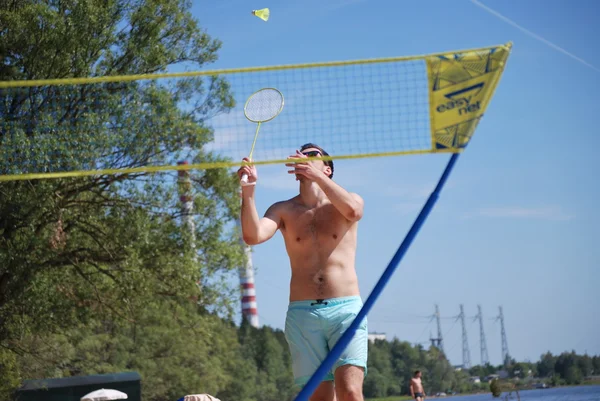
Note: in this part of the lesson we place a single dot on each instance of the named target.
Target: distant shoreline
(408, 397)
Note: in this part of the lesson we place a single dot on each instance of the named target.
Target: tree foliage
(495, 388)
(568, 367)
(88, 263)
(392, 364)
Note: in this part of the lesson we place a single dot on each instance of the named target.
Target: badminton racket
(262, 106)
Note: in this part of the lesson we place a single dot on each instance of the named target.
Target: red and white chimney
(184, 186)
(246, 273)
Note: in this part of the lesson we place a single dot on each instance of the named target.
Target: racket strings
(264, 105)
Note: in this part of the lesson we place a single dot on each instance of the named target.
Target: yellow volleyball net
(148, 123)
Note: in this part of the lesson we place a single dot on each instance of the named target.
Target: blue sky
(517, 224)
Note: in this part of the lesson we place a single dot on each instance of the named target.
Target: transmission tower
(439, 340)
(484, 353)
(505, 354)
(465, 342)
(434, 341)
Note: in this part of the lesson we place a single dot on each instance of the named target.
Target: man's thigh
(339, 320)
(307, 344)
(349, 381)
(325, 392)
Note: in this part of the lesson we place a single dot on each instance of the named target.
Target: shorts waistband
(323, 303)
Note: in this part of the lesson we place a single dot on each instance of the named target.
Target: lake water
(582, 393)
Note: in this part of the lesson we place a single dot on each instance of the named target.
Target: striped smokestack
(246, 273)
(184, 185)
(185, 196)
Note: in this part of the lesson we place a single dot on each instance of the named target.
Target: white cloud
(554, 213)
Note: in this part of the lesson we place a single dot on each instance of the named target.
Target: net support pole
(343, 342)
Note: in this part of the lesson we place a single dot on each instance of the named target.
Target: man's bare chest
(321, 223)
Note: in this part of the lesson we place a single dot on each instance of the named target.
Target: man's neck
(311, 194)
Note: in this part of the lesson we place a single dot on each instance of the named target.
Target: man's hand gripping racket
(262, 106)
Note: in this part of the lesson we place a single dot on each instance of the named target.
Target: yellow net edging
(354, 109)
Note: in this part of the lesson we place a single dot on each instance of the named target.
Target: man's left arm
(350, 205)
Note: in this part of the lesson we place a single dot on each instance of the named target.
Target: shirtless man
(416, 387)
(319, 228)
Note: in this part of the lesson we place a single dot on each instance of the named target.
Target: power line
(451, 327)
(536, 36)
(425, 329)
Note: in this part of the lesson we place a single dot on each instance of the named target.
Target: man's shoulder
(283, 204)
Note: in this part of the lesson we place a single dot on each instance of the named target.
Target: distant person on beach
(416, 387)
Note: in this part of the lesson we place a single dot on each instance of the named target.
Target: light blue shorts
(312, 329)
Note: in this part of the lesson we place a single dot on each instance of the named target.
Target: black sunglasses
(312, 153)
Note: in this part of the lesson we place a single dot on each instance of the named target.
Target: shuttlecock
(262, 14)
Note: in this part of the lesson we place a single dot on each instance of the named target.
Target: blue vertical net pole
(343, 342)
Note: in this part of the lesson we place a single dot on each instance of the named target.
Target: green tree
(383, 382)
(596, 365)
(267, 352)
(73, 250)
(172, 346)
(275, 378)
(375, 384)
(442, 375)
(546, 364)
(482, 371)
(573, 375)
(395, 362)
(8, 372)
(243, 385)
(585, 365)
(405, 360)
(495, 388)
(556, 380)
(523, 370)
(478, 371)
(566, 367)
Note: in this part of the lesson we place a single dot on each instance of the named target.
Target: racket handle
(245, 182)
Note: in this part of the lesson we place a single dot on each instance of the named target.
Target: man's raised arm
(254, 229)
(349, 204)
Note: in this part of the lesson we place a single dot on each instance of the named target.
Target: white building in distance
(376, 336)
